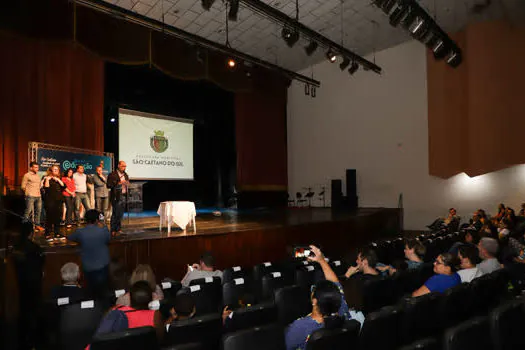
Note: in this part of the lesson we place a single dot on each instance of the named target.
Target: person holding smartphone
(205, 268)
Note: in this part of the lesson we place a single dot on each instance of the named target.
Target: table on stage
(180, 213)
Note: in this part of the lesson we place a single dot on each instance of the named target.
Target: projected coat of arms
(158, 142)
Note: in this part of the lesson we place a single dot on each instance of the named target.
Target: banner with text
(69, 160)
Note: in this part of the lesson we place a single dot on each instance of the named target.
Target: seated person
(133, 316)
(245, 301)
(205, 268)
(504, 228)
(470, 238)
(142, 273)
(522, 210)
(179, 309)
(445, 277)
(70, 287)
(414, 253)
(488, 249)
(475, 223)
(328, 306)
(445, 221)
(488, 229)
(468, 257)
(358, 275)
(501, 212)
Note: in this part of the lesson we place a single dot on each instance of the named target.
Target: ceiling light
(331, 56)
(206, 4)
(454, 58)
(353, 68)
(418, 28)
(345, 63)
(231, 63)
(234, 9)
(310, 49)
(112, 120)
(399, 13)
(290, 36)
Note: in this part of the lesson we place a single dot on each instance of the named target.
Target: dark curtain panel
(50, 92)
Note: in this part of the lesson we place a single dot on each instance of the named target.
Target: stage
(242, 238)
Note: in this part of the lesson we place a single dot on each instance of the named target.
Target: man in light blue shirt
(94, 251)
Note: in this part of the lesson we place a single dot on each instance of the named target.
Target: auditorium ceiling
(365, 27)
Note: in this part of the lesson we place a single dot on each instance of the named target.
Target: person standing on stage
(53, 201)
(118, 182)
(31, 186)
(69, 196)
(81, 195)
(101, 192)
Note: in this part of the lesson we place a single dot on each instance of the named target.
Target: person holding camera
(94, 251)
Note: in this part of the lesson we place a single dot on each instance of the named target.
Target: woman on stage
(53, 201)
(69, 196)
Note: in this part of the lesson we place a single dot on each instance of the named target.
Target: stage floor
(145, 225)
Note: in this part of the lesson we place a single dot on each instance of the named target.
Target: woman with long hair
(142, 272)
(69, 196)
(54, 200)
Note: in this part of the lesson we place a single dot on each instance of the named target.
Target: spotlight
(345, 63)
(399, 13)
(418, 28)
(112, 120)
(290, 36)
(234, 9)
(386, 5)
(231, 63)
(206, 4)
(353, 68)
(331, 56)
(439, 49)
(454, 58)
(310, 49)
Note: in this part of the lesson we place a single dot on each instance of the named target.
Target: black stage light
(345, 63)
(290, 36)
(454, 58)
(387, 6)
(206, 4)
(310, 49)
(353, 68)
(399, 13)
(231, 63)
(331, 56)
(439, 49)
(418, 28)
(234, 10)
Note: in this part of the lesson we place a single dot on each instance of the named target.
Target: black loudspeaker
(337, 193)
(351, 188)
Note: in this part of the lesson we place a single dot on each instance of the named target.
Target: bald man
(118, 183)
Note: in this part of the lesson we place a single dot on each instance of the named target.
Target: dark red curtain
(261, 137)
(50, 92)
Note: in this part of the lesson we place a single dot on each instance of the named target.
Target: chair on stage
(258, 338)
(130, 339)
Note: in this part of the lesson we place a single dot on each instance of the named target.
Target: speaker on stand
(351, 189)
(337, 194)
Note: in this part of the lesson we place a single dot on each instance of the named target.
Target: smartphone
(190, 267)
(302, 252)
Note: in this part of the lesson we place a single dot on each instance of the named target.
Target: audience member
(133, 316)
(488, 229)
(504, 228)
(468, 256)
(447, 221)
(414, 253)
(445, 277)
(488, 248)
(470, 238)
(142, 273)
(501, 212)
(475, 224)
(70, 287)
(28, 260)
(94, 252)
(205, 268)
(245, 301)
(329, 307)
(522, 210)
(358, 275)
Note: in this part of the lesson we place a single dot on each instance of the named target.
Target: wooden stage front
(236, 238)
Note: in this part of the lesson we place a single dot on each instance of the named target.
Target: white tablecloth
(180, 213)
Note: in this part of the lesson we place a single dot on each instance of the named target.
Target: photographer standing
(94, 251)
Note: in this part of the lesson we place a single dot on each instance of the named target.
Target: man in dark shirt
(94, 251)
(118, 182)
(70, 288)
(365, 270)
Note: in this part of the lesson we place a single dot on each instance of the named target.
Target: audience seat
(380, 330)
(233, 291)
(471, 334)
(456, 305)
(292, 303)
(423, 344)
(261, 270)
(377, 293)
(252, 316)
(258, 338)
(506, 322)
(271, 282)
(342, 338)
(132, 339)
(339, 267)
(206, 296)
(305, 276)
(204, 329)
(170, 288)
(212, 287)
(189, 346)
(419, 318)
(488, 290)
(232, 273)
(78, 323)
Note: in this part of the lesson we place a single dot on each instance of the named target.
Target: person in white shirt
(205, 268)
(488, 248)
(81, 195)
(468, 256)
